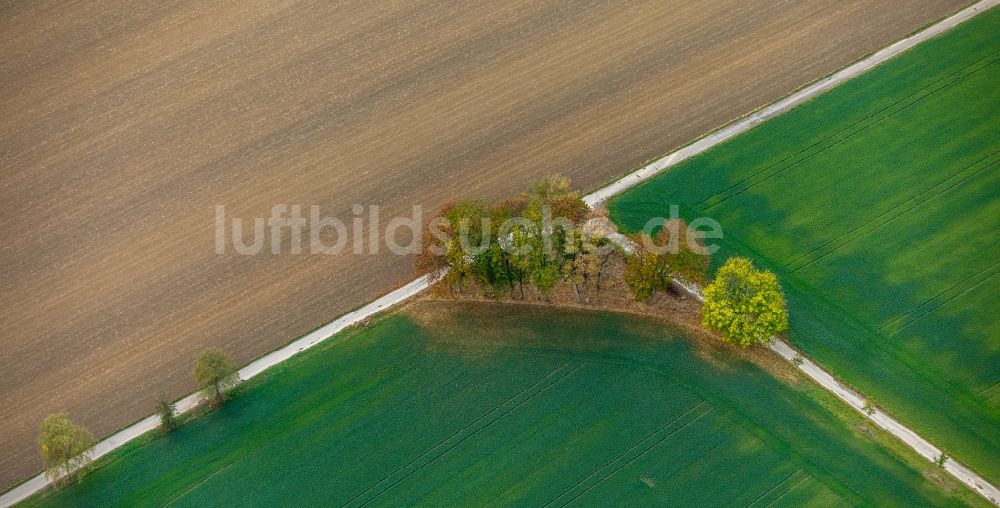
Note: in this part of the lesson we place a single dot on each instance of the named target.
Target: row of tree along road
(65, 447)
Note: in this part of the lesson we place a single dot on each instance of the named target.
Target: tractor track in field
(779, 484)
(499, 407)
(646, 450)
(790, 264)
(847, 237)
(864, 125)
(628, 450)
(948, 300)
(895, 320)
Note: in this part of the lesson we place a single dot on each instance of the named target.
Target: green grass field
(457, 404)
(877, 205)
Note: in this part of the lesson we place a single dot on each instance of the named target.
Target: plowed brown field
(123, 123)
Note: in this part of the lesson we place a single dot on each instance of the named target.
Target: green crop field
(457, 404)
(877, 205)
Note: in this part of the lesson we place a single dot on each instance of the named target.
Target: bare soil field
(123, 124)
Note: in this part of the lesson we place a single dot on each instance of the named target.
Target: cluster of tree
(67, 448)
(745, 304)
(536, 239)
(533, 239)
(656, 261)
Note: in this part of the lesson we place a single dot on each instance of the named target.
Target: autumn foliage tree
(586, 256)
(493, 268)
(656, 261)
(531, 238)
(434, 242)
(744, 304)
(464, 223)
(65, 448)
(644, 274)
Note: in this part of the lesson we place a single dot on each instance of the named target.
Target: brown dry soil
(123, 123)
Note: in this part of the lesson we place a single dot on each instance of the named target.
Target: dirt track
(123, 125)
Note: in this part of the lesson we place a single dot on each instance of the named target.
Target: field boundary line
(118, 439)
(790, 102)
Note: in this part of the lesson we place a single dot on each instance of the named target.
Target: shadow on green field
(876, 205)
(469, 404)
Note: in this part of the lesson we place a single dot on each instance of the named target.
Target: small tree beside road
(941, 460)
(215, 373)
(167, 411)
(656, 261)
(745, 304)
(65, 448)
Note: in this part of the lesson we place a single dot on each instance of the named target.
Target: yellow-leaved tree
(744, 304)
(65, 447)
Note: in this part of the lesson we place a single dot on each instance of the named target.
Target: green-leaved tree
(745, 304)
(167, 411)
(215, 373)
